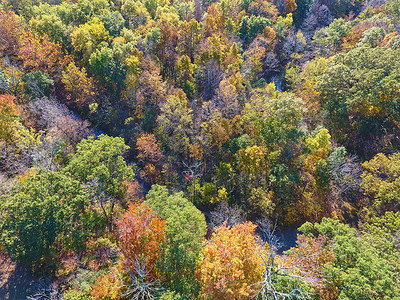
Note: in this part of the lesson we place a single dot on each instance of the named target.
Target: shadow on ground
(15, 282)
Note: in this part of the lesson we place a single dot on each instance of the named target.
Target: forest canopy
(199, 149)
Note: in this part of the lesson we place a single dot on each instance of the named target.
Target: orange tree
(141, 233)
(39, 53)
(10, 31)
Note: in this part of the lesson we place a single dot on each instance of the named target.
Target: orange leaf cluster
(150, 155)
(290, 6)
(108, 285)
(148, 148)
(39, 53)
(10, 31)
(141, 234)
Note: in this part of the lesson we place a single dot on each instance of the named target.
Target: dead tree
(298, 271)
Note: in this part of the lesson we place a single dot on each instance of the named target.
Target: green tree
(51, 25)
(393, 9)
(86, 10)
(136, 12)
(301, 11)
(372, 37)
(99, 164)
(40, 215)
(100, 59)
(105, 65)
(249, 27)
(87, 37)
(38, 84)
(185, 228)
(360, 92)
(359, 271)
(328, 39)
(274, 124)
(113, 21)
(381, 179)
(382, 233)
(185, 80)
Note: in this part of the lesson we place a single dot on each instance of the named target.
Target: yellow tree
(214, 22)
(78, 85)
(381, 180)
(190, 34)
(315, 176)
(252, 161)
(8, 115)
(185, 79)
(232, 265)
(175, 124)
(88, 36)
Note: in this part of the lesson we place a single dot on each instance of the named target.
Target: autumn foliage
(310, 256)
(10, 31)
(141, 234)
(150, 155)
(39, 53)
(8, 115)
(167, 119)
(149, 149)
(232, 265)
(78, 85)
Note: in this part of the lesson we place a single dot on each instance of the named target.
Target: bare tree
(58, 120)
(47, 291)
(227, 99)
(41, 149)
(296, 272)
(346, 175)
(232, 215)
(11, 161)
(4, 83)
(141, 286)
(212, 75)
(43, 155)
(193, 170)
(58, 130)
